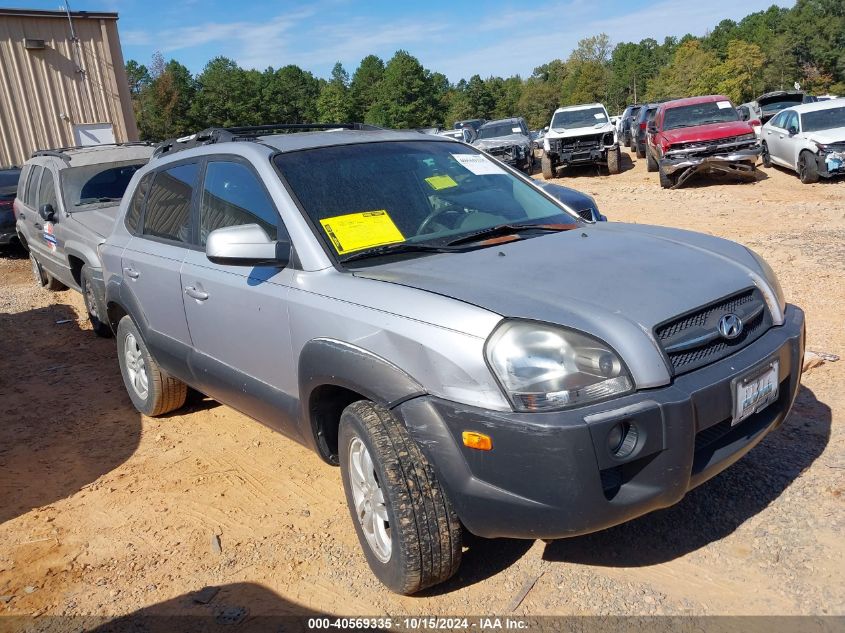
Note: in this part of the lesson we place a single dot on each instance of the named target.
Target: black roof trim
(62, 152)
(213, 135)
(46, 13)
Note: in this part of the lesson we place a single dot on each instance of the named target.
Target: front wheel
(94, 304)
(765, 156)
(614, 161)
(666, 181)
(408, 530)
(808, 169)
(547, 167)
(640, 150)
(650, 162)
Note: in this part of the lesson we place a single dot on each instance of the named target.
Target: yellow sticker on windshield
(357, 231)
(441, 182)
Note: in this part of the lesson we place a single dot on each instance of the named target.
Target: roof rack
(213, 135)
(61, 152)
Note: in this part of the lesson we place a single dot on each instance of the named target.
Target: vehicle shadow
(591, 171)
(242, 607)
(63, 422)
(715, 509)
(482, 559)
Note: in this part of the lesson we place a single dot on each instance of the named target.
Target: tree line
(766, 50)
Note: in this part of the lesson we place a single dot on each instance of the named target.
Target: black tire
(547, 167)
(425, 533)
(808, 169)
(764, 156)
(614, 161)
(640, 150)
(666, 181)
(42, 277)
(650, 162)
(164, 392)
(94, 304)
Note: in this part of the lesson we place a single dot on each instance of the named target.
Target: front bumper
(738, 161)
(550, 475)
(831, 164)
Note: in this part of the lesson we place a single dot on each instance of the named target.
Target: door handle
(780, 136)
(192, 292)
(37, 226)
(132, 273)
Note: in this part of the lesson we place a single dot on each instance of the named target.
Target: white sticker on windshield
(723, 105)
(599, 115)
(516, 130)
(478, 164)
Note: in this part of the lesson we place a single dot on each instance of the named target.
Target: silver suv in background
(66, 203)
(462, 344)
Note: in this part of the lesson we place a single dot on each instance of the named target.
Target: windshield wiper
(401, 247)
(508, 229)
(94, 201)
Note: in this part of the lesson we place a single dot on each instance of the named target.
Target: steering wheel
(425, 226)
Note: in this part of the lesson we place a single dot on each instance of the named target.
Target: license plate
(755, 392)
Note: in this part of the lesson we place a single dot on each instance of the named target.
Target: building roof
(41, 13)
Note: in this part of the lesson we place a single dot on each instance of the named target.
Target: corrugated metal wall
(42, 94)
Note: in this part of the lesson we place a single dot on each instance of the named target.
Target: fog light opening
(622, 439)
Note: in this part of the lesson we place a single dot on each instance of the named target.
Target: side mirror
(47, 212)
(246, 245)
(546, 129)
(792, 130)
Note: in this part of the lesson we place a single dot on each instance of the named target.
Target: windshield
(776, 106)
(578, 118)
(97, 185)
(699, 114)
(823, 119)
(360, 197)
(499, 129)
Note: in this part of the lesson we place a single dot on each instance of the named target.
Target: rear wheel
(650, 162)
(614, 161)
(152, 390)
(764, 155)
(93, 304)
(808, 169)
(640, 150)
(547, 167)
(407, 528)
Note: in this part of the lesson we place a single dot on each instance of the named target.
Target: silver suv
(465, 347)
(66, 203)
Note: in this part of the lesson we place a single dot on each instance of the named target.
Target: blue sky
(459, 39)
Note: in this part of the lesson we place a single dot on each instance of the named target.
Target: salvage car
(808, 139)
(624, 127)
(768, 105)
(469, 351)
(9, 177)
(473, 123)
(700, 135)
(580, 135)
(65, 206)
(509, 141)
(464, 134)
(639, 128)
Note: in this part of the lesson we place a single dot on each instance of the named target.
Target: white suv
(580, 135)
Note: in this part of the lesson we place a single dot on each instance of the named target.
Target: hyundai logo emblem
(730, 326)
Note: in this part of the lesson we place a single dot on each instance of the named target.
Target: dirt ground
(105, 512)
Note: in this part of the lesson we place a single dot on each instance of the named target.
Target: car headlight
(747, 137)
(545, 367)
(772, 280)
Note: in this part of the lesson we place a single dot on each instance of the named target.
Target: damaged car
(700, 135)
(768, 105)
(580, 135)
(509, 141)
(808, 139)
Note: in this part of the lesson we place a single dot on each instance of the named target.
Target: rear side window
(47, 191)
(133, 214)
(32, 186)
(233, 195)
(21, 193)
(168, 211)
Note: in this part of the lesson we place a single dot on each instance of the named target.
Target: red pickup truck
(700, 135)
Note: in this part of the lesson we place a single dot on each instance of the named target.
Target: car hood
(833, 135)
(580, 131)
(614, 281)
(501, 141)
(100, 221)
(709, 132)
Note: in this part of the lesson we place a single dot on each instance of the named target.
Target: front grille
(717, 146)
(692, 340)
(578, 143)
(499, 151)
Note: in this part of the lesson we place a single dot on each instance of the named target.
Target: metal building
(62, 82)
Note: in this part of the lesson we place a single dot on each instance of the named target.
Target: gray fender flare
(325, 361)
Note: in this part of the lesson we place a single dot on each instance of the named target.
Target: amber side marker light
(477, 441)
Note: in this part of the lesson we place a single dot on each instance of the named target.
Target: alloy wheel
(368, 497)
(135, 366)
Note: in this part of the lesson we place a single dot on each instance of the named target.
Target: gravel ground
(104, 512)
